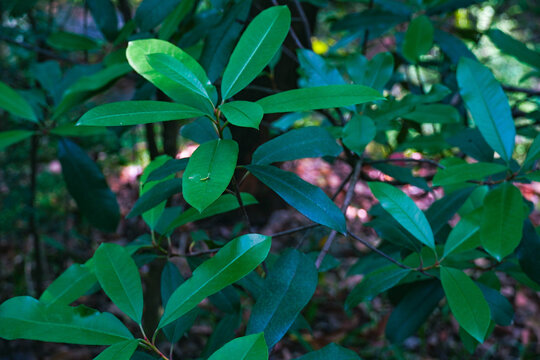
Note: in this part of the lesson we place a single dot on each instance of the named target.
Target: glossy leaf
(224, 203)
(434, 113)
(88, 186)
(404, 210)
(442, 210)
(308, 142)
(256, 47)
(209, 172)
(331, 351)
(471, 142)
(243, 113)
(176, 71)
(488, 106)
(152, 12)
(318, 97)
(137, 55)
(119, 351)
(136, 112)
(461, 235)
(308, 199)
(224, 331)
(219, 43)
(375, 283)
(15, 104)
(72, 130)
(250, 347)
(502, 221)
(516, 48)
(70, 285)
(157, 194)
(466, 172)
(418, 38)
(24, 317)
(288, 287)
(119, 277)
(234, 261)
(413, 310)
(466, 302)
(359, 132)
(8, 138)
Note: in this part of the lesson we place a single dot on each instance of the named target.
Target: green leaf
(243, 113)
(87, 86)
(501, 309)
(224, 331)
(434, 113)
(15, 104)
(88, 186)
(533, 154)
(8, 138)
(466, 302)
(171, 279)
(119, 277)
(359, 132)
(316, 71)
(171, 23)
(488, 106)
(463, 236)
(223, 204)
(402, 174)
(137, 55)
(288, 287)
(374, 73)
(516, 48)
(404, 210)
(308, 199)
(78, 131)
(375, 283)
(318, 97)
(73, 283)
(119, 351)
(250, 347)
(68, 41)
(452, 46)
(234, 261)
(413, 310)
(156, 195)
(471, 142)
(502, 221)
(104, 14)
(24, 317)
(466, 172)
(176, 71)
(528, 252)
(331, 351)
(209, 172)
(256, 47)
(137, 112)
(308, 142)
(170, 167)
(152, 12)
(418, 38)
(219, 43)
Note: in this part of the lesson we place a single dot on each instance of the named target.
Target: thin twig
(375, 249)
(422, 161)
(366, 33)
(534, 92)
(241, 203)
(37, 49)
(304, 18)
(346, 202)
(291, 31)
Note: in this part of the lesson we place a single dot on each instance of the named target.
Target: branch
(532, 92)
(291, 31)
(346, 202)
(37, 49)
(304, 18)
